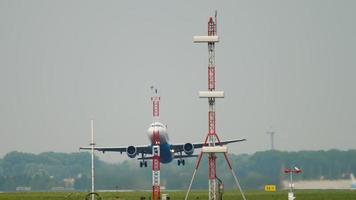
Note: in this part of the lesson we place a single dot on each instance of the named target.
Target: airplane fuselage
(166, 155)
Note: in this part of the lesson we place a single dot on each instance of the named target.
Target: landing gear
(143, 164)
(181, 161)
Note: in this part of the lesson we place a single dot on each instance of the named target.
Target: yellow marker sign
(270, 188)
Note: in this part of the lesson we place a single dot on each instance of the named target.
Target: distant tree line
(48, 170)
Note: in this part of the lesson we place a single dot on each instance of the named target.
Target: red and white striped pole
(212, 137)
(156, 164)
(211, 114)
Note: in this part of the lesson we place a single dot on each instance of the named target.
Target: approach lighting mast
(156, 166)
(210, 145)
(92, 144)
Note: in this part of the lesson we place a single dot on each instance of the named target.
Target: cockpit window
(156, 125)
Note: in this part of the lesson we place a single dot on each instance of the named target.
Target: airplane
(168, 151)
(353, 182)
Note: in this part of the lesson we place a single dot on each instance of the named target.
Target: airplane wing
(145, 149)
(179, 147)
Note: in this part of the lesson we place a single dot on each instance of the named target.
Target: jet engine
(131, 151)
(188, 148)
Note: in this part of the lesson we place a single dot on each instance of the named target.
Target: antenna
(216, 21)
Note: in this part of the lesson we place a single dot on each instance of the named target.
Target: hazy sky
(284, 65)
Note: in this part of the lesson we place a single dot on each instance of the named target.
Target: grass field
(229, 195)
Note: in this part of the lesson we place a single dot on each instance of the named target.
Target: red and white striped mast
(212, 137)
(156, 164)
